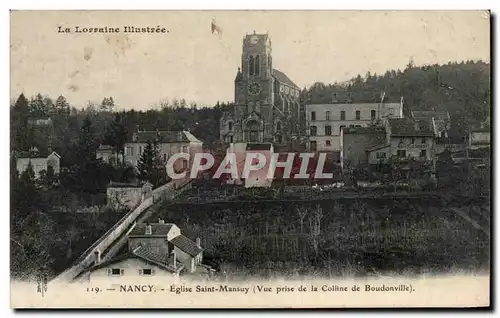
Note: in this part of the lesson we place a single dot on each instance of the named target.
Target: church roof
(281, 77)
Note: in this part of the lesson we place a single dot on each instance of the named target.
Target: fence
(169, 190)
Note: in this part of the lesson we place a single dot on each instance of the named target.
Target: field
(338, 237)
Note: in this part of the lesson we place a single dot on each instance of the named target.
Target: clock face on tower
(254, 39)
(254, 88)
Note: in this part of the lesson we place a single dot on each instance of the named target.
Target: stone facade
(39, 164)
(325, 121)
(266, 102)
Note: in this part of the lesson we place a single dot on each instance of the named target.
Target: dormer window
(149, 230)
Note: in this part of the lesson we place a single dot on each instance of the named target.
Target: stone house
(38, 163)
(406, 139)
(154, 250)
(168, 143)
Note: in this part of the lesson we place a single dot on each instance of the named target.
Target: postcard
(250, 159)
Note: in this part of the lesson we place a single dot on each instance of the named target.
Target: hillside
(463, 89)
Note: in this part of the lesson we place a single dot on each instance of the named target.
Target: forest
(56, 217)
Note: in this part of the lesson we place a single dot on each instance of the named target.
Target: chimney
(198, 242)
(334, 98)
(161, 221)
(97, 255)
(149, 231)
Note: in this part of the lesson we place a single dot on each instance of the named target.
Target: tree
(18, 123)
(148, 164)
(107, 104)
(315, 227)
(62, 106)
(116, 135)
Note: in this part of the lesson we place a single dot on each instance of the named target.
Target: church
(267, 105)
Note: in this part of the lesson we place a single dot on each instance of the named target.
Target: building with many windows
(325, 121)
(407, 139)
(168, 143)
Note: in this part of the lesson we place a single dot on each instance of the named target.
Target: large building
(266, 101)
(325, 121)
(168, 143)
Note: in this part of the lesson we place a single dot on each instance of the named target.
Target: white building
(168, 143)
(157, 250)
(479, 138)
(406, 139)
(325, 121)
(39, 164)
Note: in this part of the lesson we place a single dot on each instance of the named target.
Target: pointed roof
(281, 77)
(186, 245)
(157, 229)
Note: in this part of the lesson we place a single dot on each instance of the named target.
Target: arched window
(278, 126)
(251, 66)
(250, 107)
(230, 125)
(257, 65)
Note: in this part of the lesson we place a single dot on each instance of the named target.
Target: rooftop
(144, 254)
(401, 127)
(157, 229)
(281, 77)
(427, 114)
(160, 137)
(363, 130)
(186, 245)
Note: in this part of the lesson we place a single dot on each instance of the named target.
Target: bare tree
(315, 227)
(302, 211)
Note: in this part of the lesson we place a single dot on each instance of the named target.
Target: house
(479, 138)
(355, 141)
(40, 121)
(108, 154)
(139, 262)
(406, 138)
(166, 239)
(441, 121)
(127, 195)
(154, 250)
(168, 143)
(38, 163)
(325, 121)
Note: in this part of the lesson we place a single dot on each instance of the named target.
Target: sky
(140, 70)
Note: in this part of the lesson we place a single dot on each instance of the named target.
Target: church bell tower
(254, 89)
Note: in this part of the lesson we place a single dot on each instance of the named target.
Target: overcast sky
(189, 62)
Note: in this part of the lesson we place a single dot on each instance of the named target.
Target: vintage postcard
(250, 159)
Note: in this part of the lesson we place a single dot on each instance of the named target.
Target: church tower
(254, 89)
(266, 101)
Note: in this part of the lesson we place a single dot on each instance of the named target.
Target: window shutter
(140, 272)
(121, 271)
